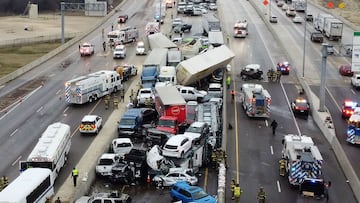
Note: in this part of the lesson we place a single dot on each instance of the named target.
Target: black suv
(316, 37)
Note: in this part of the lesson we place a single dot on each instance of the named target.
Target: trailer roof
(159, 40)
(170, 95)
(202, 65)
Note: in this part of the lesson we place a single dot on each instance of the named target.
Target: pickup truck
(122, 18)
(126, 71)
(316, 37)
(182, 28)
(113, 197)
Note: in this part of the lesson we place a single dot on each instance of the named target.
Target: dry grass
(12, 58)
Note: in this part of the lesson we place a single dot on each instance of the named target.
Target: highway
(253, 151)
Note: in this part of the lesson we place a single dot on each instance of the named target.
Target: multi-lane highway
(253, 151)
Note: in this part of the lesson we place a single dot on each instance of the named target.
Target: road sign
(341, 5)
(355, 65)
(265, 2)
(330, 5)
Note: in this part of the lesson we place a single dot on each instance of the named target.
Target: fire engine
(303, 163)
(92, 86)
(122, 36)
(353, 129)
(152, 28)
(255, 100)
(240, 29)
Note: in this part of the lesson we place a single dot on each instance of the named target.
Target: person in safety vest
(232, 187)
(74, 174)
(282, 167)
(237, 192)
(261, 195)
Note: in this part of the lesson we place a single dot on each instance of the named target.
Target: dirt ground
(350, 12)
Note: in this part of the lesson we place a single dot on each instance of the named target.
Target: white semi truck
(91, 87)
(333, 28)
(200, 66)
(319, 21)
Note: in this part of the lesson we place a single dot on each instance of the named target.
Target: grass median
(12, 58)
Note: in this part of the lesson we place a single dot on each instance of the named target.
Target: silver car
(174, 175)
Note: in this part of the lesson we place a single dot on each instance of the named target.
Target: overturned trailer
(198, 67)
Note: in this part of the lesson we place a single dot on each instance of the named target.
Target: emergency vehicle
(91, 87)
(51, 151)
(348, 108)
(303, 163)
(353, 129)
(122, 36)
(255, 100)
(240, 29)
(152, 28)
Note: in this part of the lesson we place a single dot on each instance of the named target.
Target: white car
(212, 7)
(119, 51)
(177, 146)
(90, 124)
(191, 94)
(203, 10)
(140, 48)
(86, 49)
(215, 88)
(145, 94)
(174, 175)
(355, 81)
(284, 7)
(297, 19)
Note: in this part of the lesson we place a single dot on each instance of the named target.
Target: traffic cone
(148, 180)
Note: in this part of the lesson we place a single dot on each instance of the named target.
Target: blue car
(187, 193)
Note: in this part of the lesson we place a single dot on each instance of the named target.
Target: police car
(348, 108)
(283, 67)
(90, 124)
(300, 106)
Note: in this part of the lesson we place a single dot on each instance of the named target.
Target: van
(140, 48)
(119, 51)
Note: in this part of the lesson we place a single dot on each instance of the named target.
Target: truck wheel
(90, 99)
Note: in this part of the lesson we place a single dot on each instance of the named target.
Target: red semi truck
(171, 107)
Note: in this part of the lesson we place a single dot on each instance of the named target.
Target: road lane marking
(333, 98)
(65, 109)
(352, 91)
(236, 135)
(278, 186)
(37, 111)
(288, 103)
(58, 92)
(16, 160)
(13, 133)
(271, 150)
(266, 123)
(206, 178)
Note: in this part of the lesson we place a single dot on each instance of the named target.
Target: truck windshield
(106, 162)
(127, 121)
(166, 123)
(193, 130)
(164, 79)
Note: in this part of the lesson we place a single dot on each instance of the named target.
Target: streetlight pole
(323, 77)
(160, 17)
(62, 7)
(304, 45)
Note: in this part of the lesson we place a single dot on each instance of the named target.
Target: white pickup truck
(355, 81)
(105, 164)
(191, 93)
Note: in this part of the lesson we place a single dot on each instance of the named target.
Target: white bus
(34, 185)
(52, 149)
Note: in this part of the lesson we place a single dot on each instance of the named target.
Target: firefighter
(5, 182)
(104, 46)
(237, 192)
(1, 184)
(273, 75)
(122, 95)
(116, 102)
(268, 74)
(278, 75)
(261, 195)
(228, 82)
(106, 101)
(282, 167)
(232, 188)
(273, 125)
(220, 156)
(232, 95)
(225, 160)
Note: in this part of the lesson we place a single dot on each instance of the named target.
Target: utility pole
(304, 45)
(323, 76)
(62, 22)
